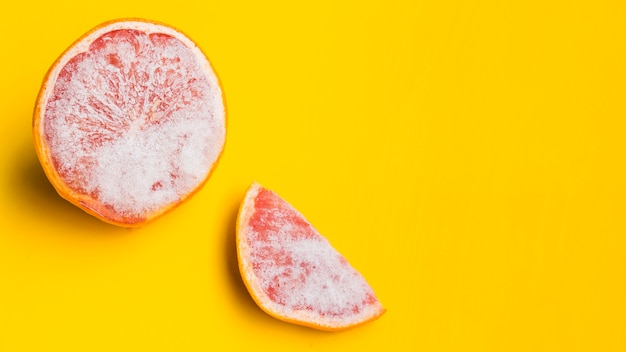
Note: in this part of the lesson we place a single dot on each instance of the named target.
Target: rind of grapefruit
(293, 273)
(130, 121)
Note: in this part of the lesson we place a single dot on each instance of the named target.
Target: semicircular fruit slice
(293, 273)
(130, 121)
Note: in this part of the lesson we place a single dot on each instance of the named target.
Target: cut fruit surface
(130, 121)
(293, 273)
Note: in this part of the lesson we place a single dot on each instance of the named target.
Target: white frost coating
(138, 124)
(316, 278)
(146, 27)
(297, 271)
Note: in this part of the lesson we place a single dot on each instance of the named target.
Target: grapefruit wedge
(130, 121)
(293, 273)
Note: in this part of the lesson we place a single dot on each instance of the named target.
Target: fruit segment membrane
(298, 270)
(133, 121)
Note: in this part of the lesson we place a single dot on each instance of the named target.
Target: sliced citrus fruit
(129, 121)
(293, 273)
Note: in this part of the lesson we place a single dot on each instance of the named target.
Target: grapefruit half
(293, 273)
(130, 121)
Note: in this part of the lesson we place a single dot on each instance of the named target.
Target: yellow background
(468, 157)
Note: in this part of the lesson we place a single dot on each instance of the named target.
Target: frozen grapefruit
(130, 121)
(293, 273)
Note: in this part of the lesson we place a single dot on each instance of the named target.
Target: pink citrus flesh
(293, 273)
(130, 121)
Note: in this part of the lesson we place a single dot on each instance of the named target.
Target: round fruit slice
(293, 273)
(130, 121)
